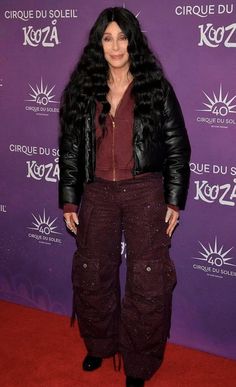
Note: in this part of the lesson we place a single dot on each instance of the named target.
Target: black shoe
(134, 382)
(91, 363)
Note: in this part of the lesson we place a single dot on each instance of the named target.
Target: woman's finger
(173, 217)
(75, 218)
(171, 228)
(168, 214)
(71, 221)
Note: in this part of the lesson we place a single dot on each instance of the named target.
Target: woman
(124, 156)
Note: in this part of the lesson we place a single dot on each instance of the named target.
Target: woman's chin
(118, 64)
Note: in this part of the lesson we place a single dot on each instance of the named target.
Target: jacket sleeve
(71, 177)
(177, 151)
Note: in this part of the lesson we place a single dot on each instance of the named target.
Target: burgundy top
(114, 153)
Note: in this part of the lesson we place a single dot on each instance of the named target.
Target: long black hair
(90, 76)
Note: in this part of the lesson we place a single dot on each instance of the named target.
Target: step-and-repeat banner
(195, 40)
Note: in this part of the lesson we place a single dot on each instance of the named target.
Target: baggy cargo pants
(138, 326)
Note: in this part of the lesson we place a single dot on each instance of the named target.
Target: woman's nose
(115, 45)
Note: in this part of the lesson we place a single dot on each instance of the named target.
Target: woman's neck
(119, 77)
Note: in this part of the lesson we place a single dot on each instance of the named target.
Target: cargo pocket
(85, 215)
(85, 273)
(147, 278)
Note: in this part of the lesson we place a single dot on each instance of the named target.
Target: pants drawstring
(117, 368)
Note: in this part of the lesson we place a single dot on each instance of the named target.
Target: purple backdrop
(195, 42)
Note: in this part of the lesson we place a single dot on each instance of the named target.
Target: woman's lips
(116, 56)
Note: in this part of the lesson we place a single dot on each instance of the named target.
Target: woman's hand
(72, 221)
(172, 216)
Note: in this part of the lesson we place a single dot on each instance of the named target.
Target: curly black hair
(90, 76)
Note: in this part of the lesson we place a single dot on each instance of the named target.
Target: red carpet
(40, 349)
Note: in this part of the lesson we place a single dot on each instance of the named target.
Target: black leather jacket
(168, 152)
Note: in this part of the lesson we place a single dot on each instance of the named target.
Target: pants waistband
(148, 176)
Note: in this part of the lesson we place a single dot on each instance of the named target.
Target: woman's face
(115, 45)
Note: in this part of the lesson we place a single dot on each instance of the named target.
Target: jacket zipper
(113, 148)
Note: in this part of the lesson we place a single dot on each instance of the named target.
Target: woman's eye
(109, 39)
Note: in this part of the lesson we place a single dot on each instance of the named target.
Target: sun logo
(137, 14)
(42, 94)
(215, 255)
(220, 105)
(44, 225)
